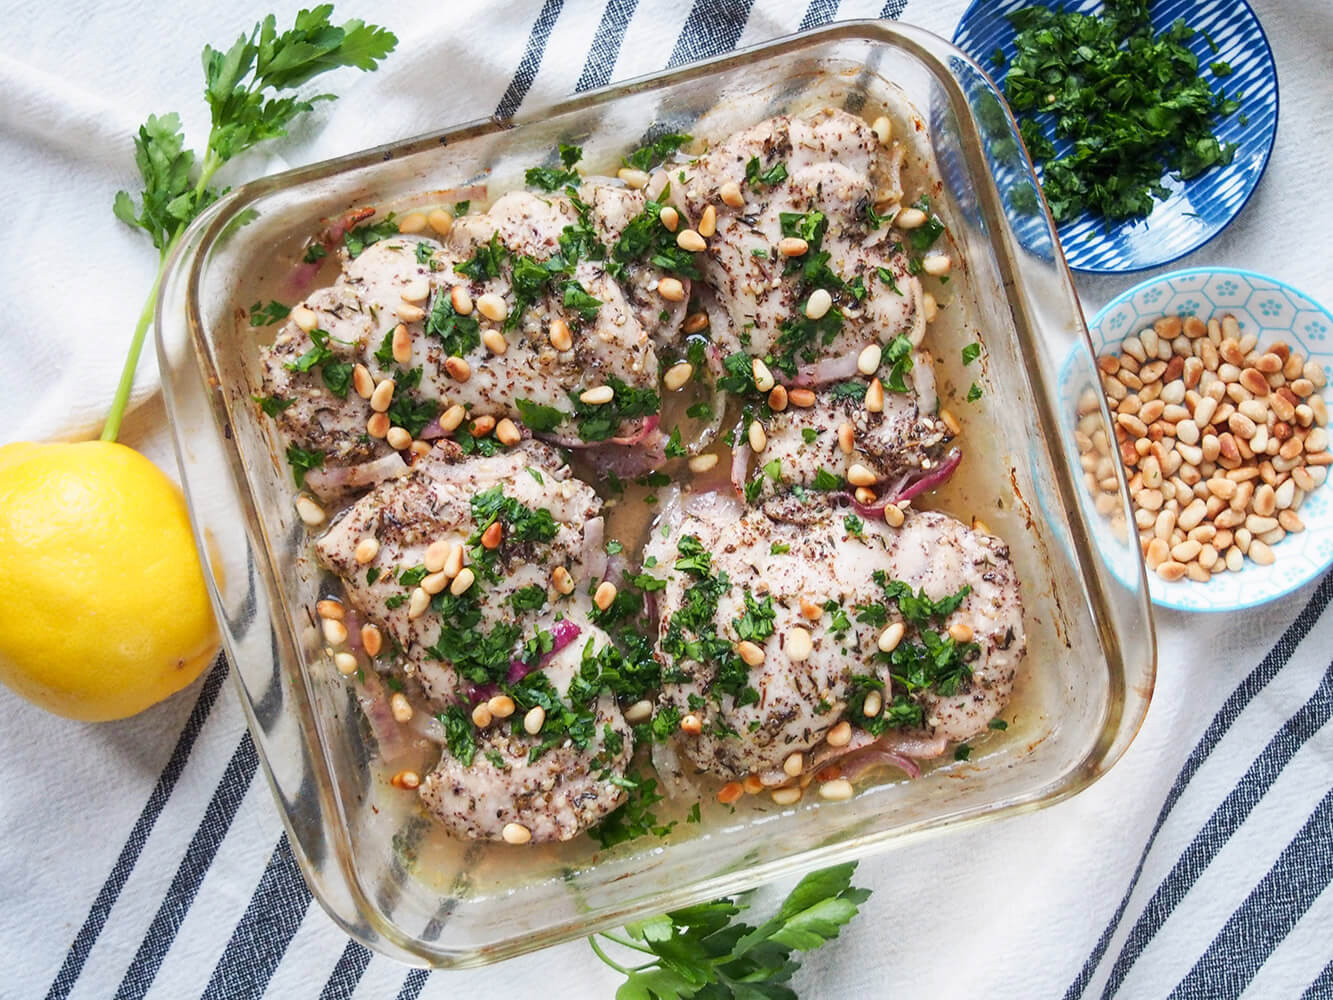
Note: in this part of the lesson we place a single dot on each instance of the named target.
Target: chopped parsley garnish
(528, 598)
(962, 752)
(854, 525)
(999, 725)
(923, 237)
(597, 422)
(538, 416)
(647, 239)
(578, 299)
(648, 156)
(553, 178)
(486, 261)
(674, 448)
(809, 435)
(634, 818)
(699, 411)
(267, 313)
(971, 352)
(458, 334)
(521, 524)
(426, 255)
(779, 549)
(409, 412)
(886, 276)
(898, 355)
(849, 390)
(755, 174)
(303, 461)
(356, 240)
(272, 405)
(372, 575)
(825, 480)
(974, 393)
(459, 735)
(411, 577)
(756, 623)
(1131, 104)
(337, 374)
(614, 547)
(314, 253)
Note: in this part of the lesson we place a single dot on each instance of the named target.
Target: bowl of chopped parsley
(1150, 123)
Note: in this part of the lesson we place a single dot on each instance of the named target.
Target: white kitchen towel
(146, 858)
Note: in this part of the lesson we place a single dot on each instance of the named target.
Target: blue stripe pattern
(1196, 210)
(281, 899)
(1226, 716)
(1281, 898)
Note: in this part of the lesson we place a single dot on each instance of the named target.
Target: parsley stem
(592, 943)
(628, 944)
(122, 398)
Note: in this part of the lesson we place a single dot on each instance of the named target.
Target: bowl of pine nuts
(1215, 380)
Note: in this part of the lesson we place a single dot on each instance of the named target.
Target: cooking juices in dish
(474, 391)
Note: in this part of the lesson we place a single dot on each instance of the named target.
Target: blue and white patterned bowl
(1196, 210)
(1275, 311)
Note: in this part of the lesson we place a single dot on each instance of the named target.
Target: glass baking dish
(377, 864)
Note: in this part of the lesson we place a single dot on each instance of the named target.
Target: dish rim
(1112, 740)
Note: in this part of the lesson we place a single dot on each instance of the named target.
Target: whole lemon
(103, 608)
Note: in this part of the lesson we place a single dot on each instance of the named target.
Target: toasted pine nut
(750, 652)
(818, 304)
(929, 307)
(366, 550)
(951, 422)
(846, 438)
(677, 375)
(559, 336)
(305, 318)
(640, 711)
(691, 724)
(960, 632)
(409, 313)
(516, 834)
(492, 536)
(777, 398)
(461, 300)
(493, 307)
(402, 345)
(867, 362)
(792, 246)
(462, 582)
(597, 395)
(864, 495)
(362, 381)
(458, 369)
(803, 398)
(763, 378)
(378, 425)
(501, 706)
(372, 641)
(890, 637)
(688, 239)
(534, 720)
(872, 705)
(481, 715)
(400, 707)
(883, 129)
(416, 290)
(838, 790)
(788, 796)
(452, 417)
(695, 322)
(671, 289)
(757, 437)
(441, 221)
(810, 610)
(398, 438)
(910, 218)
(704, 462)
(798, 645)
(562, 581)
(730, 792)
(382, 396)
(874, 401)
(730, 193)
(636, 179)
(406, 779)
(840, 735)
(893, 515)
(482, 426)
(418, 603)
(794, 765)
(413, 222)
(670, 218)
(605, 595)
(708, 222)
(495, 341)
(335, 632)
(859, 475)
(330, 609)
(311, 513)
(345, 662)
(936, 264)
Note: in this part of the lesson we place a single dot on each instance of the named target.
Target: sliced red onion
(855, 765)
(329, 483)
(563, 633)
(650, 423)
(352, 621)
(477, 693)
(389, 733)
(427, 726)
(935, 477)
(432, 431)
(914, 745)
(828, 370)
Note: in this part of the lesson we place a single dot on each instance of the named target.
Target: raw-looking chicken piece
(475, 572)
(784, 619)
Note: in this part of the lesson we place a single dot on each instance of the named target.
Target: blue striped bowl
(1197, 210)
(1275, 311)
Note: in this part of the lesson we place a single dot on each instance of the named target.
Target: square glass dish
(381, 868)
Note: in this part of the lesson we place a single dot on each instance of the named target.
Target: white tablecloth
(145, 858)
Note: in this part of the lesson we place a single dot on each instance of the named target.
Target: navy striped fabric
(247, 955)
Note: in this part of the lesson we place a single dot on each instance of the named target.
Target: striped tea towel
(147, 859)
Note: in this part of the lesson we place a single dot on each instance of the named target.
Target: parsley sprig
(704, 951)
(249, 88)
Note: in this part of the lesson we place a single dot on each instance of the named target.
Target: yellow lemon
(103, 608)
